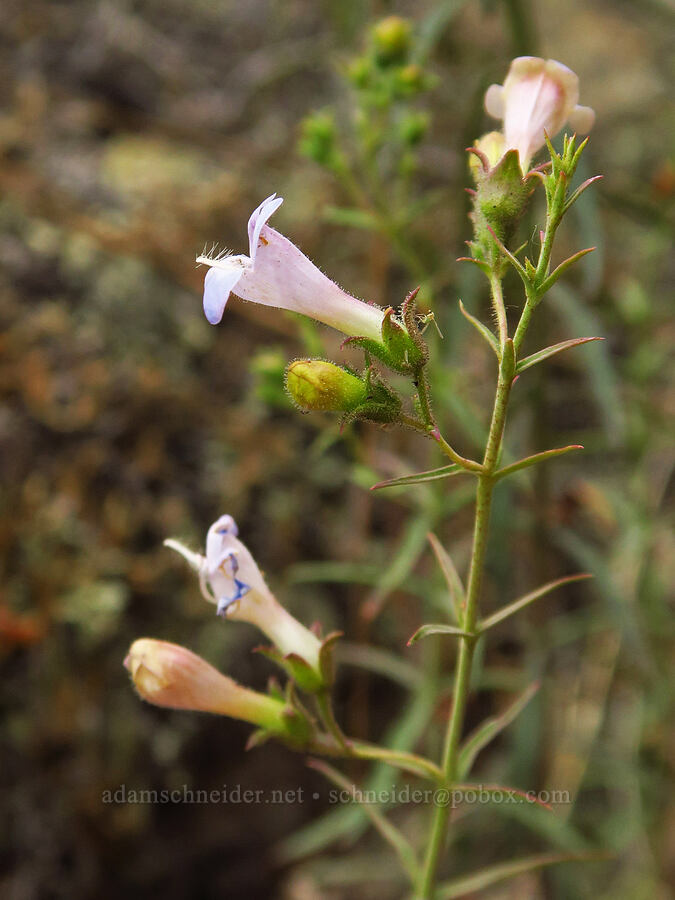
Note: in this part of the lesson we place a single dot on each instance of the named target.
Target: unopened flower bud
(492, 148)
(319, 385)
(392, 39)
(172, 676)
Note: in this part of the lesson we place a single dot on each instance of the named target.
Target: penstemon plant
(538, 98)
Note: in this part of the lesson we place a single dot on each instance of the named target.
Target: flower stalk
(484, 489)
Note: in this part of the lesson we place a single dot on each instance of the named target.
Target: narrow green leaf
(481, 328)
(548, 282)
(452, 579)
(517, 605)
(408, 551)
(515, 262)
(433, 26)
(533, 460)
(407, 762)
(490, 728)
(389, 832)
(470, 884)
(554, 349)
(379, 661)
(580, 318)
(574, 196)
(348, 823)
(516, 795)
(420, 477)
(485, 269)
(352, 218)
(437, 628)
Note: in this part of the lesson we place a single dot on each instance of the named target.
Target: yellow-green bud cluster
(392, 40)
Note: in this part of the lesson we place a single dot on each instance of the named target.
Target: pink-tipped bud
(537, 98)
(170, 675)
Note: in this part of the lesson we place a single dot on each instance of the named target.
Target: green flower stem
(408, 761)
(470, 464)
(336, 743)
(325, 707)
(499, 308)
(525, 316)
(422, 386)
(484, 489)
(432, 429)
(554, 214)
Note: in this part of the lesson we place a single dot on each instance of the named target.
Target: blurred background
(131, 135)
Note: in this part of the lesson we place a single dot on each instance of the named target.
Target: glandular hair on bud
(316, 384)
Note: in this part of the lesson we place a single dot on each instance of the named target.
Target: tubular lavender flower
(276, 273)
(537, 98)
(172, 676)
(229, 577)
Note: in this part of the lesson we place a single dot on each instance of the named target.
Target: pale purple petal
(494, 101)
(258, 219)
(218, 284)
(284, 277)
(217, 539)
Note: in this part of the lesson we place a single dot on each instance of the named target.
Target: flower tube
(276, 273)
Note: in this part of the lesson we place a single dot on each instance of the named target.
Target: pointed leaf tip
(420, 477)
(437, 628)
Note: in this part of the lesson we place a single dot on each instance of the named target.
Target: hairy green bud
(320, 385)
(499, 201)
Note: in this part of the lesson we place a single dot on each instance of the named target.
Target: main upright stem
(460, 694)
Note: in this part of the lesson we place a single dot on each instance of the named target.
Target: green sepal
(499, 201)
(326, 657)
(257, 738)
(306, 678)
(402, 348)
(409, 313)
(381, 405)
(295, 728)
(298, 728)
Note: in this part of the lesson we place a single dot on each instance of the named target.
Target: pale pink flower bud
(538, 97)
(229, 577)
(170, 675)
(276, 273)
